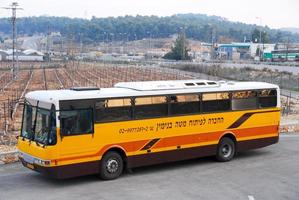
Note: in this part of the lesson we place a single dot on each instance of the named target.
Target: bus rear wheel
(111, 166)
(226, 150)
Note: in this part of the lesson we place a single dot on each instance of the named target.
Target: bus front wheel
(226, 150)
(111, 166)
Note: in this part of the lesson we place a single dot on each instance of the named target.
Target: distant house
(3, 55)
(27, 55)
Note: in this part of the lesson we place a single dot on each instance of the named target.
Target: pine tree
(179, 50)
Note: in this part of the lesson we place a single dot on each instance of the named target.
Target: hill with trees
(197, 26)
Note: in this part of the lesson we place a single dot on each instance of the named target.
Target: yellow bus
(80, 131)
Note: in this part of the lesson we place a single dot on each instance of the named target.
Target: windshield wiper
(36, 143)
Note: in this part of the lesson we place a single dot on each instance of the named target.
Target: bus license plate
(30, 166)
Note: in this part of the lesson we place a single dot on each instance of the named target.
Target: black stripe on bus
(246, 116)
(150, 144)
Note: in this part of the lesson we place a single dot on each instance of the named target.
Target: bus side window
(113, 110)
(215, 102)
(267, 98)
(244, 100)
(184, 104)
(146, 107)
(75, 122)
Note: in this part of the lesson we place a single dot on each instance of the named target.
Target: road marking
(250, 197)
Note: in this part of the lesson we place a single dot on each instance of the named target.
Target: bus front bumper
(64, 171)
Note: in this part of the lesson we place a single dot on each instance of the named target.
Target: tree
(255, 36)
(179, 50)
(257, 52)
(197, 26)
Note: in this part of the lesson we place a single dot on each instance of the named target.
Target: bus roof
(127, 89)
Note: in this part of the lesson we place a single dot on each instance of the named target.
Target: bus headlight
(42, 162)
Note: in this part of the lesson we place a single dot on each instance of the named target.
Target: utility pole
(48, 46)
(14, 7)
(287, 48)
(260, 52)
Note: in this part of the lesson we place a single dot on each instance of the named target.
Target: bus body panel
(159, 140)
(251, 118)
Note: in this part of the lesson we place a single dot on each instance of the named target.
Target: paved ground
(269, 173)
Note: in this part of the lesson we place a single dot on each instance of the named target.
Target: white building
(266, 48)
(27, 55)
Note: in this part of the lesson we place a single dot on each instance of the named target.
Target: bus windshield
(39, 125)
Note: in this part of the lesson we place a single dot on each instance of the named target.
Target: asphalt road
(269, 173)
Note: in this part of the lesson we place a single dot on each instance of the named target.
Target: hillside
(291, 29)
(197, 26)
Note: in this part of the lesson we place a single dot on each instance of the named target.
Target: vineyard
(39, 76)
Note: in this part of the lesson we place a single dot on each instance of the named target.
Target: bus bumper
(65, 171)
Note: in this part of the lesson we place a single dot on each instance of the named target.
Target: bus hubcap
(226, 150)
(112, 165)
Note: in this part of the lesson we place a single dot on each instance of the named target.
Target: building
(237, 51)
(27, 55)
(3, 55)
(234, 51)
(266, 49)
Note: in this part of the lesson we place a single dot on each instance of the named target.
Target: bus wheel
(226, 150)
(111, 166)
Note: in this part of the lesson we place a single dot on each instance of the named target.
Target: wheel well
(120, 152)
(230, 136)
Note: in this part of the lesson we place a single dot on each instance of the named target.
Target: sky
(273, 13)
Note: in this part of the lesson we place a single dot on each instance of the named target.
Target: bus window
(146, 107)
(28, 121)
(75, 122)
(184, 104)
(113, 110)
(42, 126)
(267, 98)
(244, 100)
(215, 102)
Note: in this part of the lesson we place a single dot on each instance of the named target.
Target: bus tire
(111, 166)
(226, 149)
